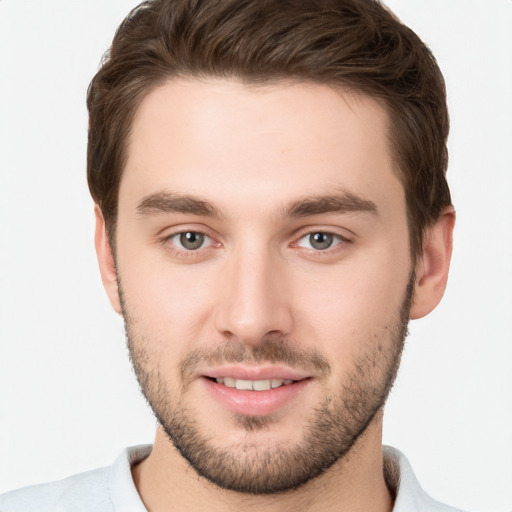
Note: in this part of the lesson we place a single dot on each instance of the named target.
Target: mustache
(268, 351)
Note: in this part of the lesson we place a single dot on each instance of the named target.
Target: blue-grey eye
(191, 240)
(320, 240)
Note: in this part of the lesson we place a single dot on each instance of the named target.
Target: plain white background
(68, 399)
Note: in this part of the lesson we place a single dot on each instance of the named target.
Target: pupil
(321, 240)
(191, 240)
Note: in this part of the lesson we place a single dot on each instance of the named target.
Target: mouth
(256, 392)
(252, 385)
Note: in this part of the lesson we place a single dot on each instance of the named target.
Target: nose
(253, 300)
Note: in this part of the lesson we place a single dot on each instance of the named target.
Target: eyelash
(182, 251)
(337, 241)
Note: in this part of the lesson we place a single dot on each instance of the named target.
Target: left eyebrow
(345, 202)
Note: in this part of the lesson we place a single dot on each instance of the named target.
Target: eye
(319, 240)
(190, 240)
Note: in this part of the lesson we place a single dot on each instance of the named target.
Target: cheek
(349, 309)
(169, 304)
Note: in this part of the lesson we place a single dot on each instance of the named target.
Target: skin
(253, 153)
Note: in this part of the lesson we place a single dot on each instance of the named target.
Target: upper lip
(255, 372)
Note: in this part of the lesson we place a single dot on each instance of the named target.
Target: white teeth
(253, 385)
(243, 384)
(229, 382)
(261, 385)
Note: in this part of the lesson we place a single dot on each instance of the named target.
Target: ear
(433, 265)
(106, 260)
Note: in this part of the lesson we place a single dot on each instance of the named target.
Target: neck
(355, 483)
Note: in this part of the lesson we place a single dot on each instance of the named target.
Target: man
(271, 210)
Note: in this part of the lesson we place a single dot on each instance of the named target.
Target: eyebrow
(343, 202)
(166, 202)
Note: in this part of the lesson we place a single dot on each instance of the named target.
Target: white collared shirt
(111, 489)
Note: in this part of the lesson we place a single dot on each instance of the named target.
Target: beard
(331, 428)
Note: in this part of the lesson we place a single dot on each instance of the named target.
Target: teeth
(243, 384)
(229, 382)
(261, 385)
(253, 385)
(275, 383)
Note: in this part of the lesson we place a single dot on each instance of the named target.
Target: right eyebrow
(166, 202)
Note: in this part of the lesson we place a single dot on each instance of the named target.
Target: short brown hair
(357, 44)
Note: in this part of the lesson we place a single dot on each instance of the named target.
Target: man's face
(262, 243)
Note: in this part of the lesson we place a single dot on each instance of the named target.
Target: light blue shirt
(111, 489)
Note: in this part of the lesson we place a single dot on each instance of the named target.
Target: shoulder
(86, 491)
(107, 489)
(410, 497)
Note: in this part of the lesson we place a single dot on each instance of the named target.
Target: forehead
(234, 142)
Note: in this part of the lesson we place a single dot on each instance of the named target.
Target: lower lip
(255, 403)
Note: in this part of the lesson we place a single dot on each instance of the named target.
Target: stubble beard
(331, 429)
